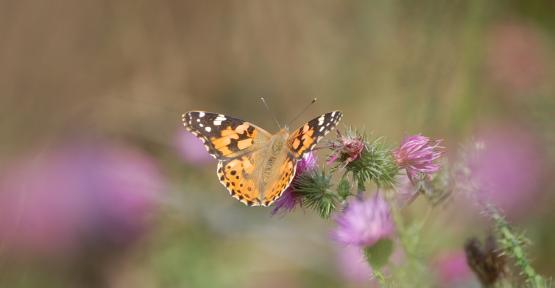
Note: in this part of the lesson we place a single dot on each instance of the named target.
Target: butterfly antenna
(302, 111)
(270, 111)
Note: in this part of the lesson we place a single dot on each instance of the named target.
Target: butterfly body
(254, 165)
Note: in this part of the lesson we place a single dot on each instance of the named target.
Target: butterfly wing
(286, 172)
(224, 137)
(307, 136)
(234, 143)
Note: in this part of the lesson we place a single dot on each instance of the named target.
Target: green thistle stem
(512, 244)
(378, 275)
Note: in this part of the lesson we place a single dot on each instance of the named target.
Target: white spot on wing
(201, 114)
(219, 119)
(321, 120)
(208, 129)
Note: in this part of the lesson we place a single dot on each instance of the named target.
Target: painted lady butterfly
(254, 165)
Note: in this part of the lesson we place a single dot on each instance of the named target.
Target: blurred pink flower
(353, 266)
(190, 148)
(364, 222)
(79, 195)
(418, 154)
(452, 269)
(289, 199)
(508, 169)
(516, 57)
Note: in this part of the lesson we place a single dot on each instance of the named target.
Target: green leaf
(378, 254)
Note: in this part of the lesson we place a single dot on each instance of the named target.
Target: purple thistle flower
(508, 169)
(363, 223)
(346, 148)
(77, 197)
(290, 199)
(417, 155)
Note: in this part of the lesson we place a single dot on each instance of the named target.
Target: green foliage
(315, 190)
(378, 254)
(513, 245)
(344, 189)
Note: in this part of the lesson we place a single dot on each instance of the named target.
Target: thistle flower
(365, 160)
(77, 197)
(291, 198)
(417, 155)
(346, 148)
(363, 223)
(508, 170)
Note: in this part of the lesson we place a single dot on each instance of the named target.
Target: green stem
(513, 245)
(379, 276)
(399, 224)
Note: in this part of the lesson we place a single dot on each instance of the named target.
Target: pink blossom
(55, 201)
(418, 154)
(364, 222)
(508, 169)
(346, 148)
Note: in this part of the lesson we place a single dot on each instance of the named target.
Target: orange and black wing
(238, 176)
(224, 137)
(307, 136)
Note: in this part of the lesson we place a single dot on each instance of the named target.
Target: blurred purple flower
(190, 148)
(516, 57)
(364, 222)
(75, 196)
(346, 148)
(353, 266)
(290, 199)
(417, 154)
(452, 269)
(508, 169)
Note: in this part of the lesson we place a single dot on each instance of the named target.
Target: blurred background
(101, 187)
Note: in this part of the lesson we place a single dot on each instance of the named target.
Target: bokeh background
(101, 187)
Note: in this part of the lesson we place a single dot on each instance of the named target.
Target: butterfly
(254, 165)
